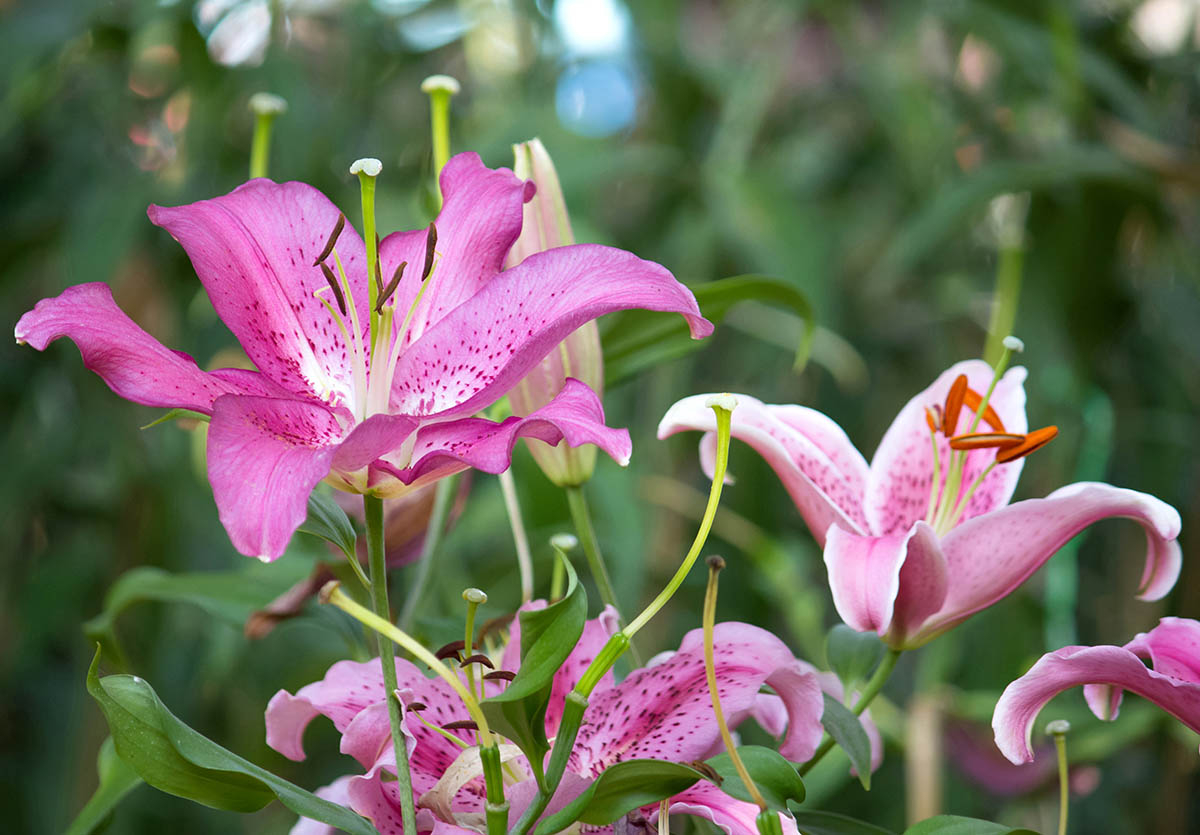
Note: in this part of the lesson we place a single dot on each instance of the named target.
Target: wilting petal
(132, 362)
(253, 249)
(886, 584)
(265, 456)
(1069, 667)
(665, 712)
(483, 347)
(988, 557)
(735, 817)
(897, 492)
(821, 470)
(335, 792)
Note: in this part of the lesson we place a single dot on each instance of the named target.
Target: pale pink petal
(373, 438)
(335, 792)
(735, 817)
(253, 249)
(133, 363)
(1172, 647)
(897, 491)
(823, 491)
(265, 456)
(483, 347)
(1069, 667)
(988, 557)
(369, 732)
(366, 796)
(886, 584)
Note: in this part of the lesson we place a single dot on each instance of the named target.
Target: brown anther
(477, 658)
(430, 243)
(986, 440)
(415, 707)
(500, 675)
(333, 285)
(707, 770)
(451, 650)
(385, 293)
(954, 404)
(1035, 440)
(460, 725)
(333, 236)
(933, 418)
(378, 277)
(972, 399)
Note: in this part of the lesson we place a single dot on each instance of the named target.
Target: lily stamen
(1035, 440)
(954, 404)
(477, 658)
(332, 241)
(986, 440)
(450, 650)
(385, 293)
(500, 675)
(430, 244)
(333, 285)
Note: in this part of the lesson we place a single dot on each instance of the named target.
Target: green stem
(442, 499)
(497, 806)
(369, 237)
(265, 107)
(508, 488)
(1059, 730)
(868, 694)
(377, 563)
(591, 548)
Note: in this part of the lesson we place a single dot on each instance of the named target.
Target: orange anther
(973, 399)
(933, 418)
(1036, 439)
(986, 440)
(954, 404)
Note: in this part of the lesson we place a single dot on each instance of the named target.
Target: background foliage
(855, 150)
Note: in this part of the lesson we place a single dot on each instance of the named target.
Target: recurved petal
(1069, 667)
(886, 584)
(133, 363)
(253, 249)
(1172, 647)
(483, 347)
(897, 492)
(335, 792)
(819, 467)
(989, 556)
(734, 817)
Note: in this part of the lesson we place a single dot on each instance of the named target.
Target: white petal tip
(268, 104)
(564, 542)
(726, 401)
(264, 558)
(474, 595)
(1013, 344)
(367, 165)
(1058, 727)
(441, 83)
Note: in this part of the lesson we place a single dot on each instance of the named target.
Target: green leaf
(847, 731)
(547, 638)
(831, 823)
(117, 779)
(620, 789)
(327, 520)
(176, 414)
(955, 825)
(852, 655)
(639, 339)
(175, 759)
(776, 778)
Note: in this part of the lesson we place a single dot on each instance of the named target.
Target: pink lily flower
(379, 410)
(1172, 682)
(918, 541)
(661, 711)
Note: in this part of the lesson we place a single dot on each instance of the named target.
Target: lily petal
(487, 344)
(253, 249)
(817, 464)
(133, 363)
(988, 557)
(897, 491)
(335, 792)
(886, 584)
(735, 817)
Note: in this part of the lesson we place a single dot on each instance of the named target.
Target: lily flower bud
(546, 226)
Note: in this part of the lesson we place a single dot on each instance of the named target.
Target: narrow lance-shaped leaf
(815, 822)
(327, 520)
(117, 779)
(955, 825)
(847, 731)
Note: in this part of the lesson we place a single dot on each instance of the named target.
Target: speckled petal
(897, 491)
(253, 249)
(486, 345)
(133, 363)
(734, 817)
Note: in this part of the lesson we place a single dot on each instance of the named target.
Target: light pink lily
(909, 561)
(376, 411)
(1172, 682)
(662, 711)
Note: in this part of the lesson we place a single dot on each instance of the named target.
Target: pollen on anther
(954, 404)
(986, 440)
(1032, 442)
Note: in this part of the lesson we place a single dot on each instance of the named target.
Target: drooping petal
(886, 584)
(734, 817)
(575, 416)
(1069, 667)
(665, 712)
(253, 249)
(482, 348)
(897, 491)
(817, 464)
(133, 363)
(989, 556)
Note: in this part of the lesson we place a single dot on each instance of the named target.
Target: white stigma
(725, 401)
(1013, 344)
(1057, 727)
(438, 83)
(564, 542)
(367, 165)
(474, 595)
(268, 104)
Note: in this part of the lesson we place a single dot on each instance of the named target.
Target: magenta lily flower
(919, 540)
(1172, 682)
(370, 409)
(661, 711)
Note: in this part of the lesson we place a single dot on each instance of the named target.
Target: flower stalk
(440, 89)
(266, 106)
(1059, 729)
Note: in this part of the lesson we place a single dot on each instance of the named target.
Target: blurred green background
(892, 161)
